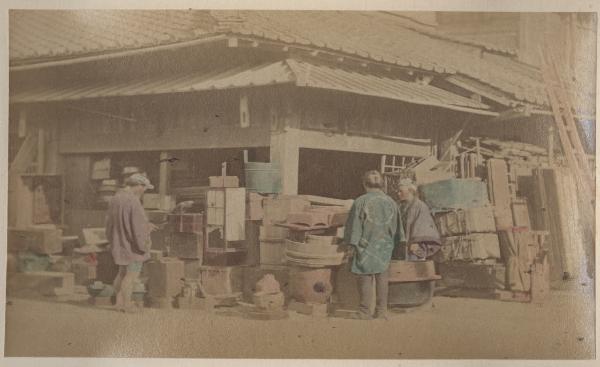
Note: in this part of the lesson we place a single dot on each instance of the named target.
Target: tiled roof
(38, 34)
(41, 35)
(383, 38)
(300, 73)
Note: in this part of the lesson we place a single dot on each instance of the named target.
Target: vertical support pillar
(52, 163)
(163, 175)
(24, 194)
(41, 151)
(551, 145)
(285, 150)
(22, 127)
(478, 151)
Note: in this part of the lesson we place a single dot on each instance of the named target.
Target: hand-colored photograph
(301, 184)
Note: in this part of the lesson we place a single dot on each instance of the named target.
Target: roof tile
(378, 36)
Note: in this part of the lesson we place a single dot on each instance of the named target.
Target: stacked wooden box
(470, 251)
(470, 247)
(36, 263)
(272, 236)
(187, 236)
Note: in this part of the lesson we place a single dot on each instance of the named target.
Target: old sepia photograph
(300, 184)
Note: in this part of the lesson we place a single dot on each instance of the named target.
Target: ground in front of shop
(563, 328)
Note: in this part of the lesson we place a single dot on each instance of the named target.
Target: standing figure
(423, 237)
(128, 232)
(374, 229)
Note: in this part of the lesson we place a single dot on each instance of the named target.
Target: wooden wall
(173, 122)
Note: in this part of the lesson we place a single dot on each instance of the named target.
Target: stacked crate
(187, 236)
(272, 237)
(36, 263)
(470, 252)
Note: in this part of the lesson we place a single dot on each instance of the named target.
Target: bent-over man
(374, 229)
(423, 237)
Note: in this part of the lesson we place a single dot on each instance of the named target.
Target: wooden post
(41, 154)
(478, 151)
(551, 145)
(383, 161)
(22, 130)
(24, 211)
(164, 171)
(52, 163)
(285, 150)
(244, 111)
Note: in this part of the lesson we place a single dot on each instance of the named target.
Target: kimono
(420, 228)
(127, 229)
(374, 229)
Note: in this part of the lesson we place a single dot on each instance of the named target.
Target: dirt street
(452, 328)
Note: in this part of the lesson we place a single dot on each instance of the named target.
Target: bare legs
(123, 285)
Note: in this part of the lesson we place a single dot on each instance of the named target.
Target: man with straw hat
(128, 231)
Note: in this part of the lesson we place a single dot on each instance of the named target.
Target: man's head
(138, 183)
(372, 180)
(407, 190)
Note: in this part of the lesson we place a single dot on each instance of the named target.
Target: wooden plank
(321, 200)
(364, 144)
(547, 189)
(520, 214)
(571, 222)
(498, 187)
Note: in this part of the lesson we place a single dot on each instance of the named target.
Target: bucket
(264, 178)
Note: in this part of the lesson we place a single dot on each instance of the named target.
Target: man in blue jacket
(374, 229)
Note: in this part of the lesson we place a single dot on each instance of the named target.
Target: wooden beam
(350, 143)
(480, 89)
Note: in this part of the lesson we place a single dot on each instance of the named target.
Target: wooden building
(178, 92)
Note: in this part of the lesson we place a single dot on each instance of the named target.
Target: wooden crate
(187, 223)
(165, 277)
(221, 280)
(187, 245)
(471, 247)
(472, 276)
(462, 221)
(38, 240)
(272, 253)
